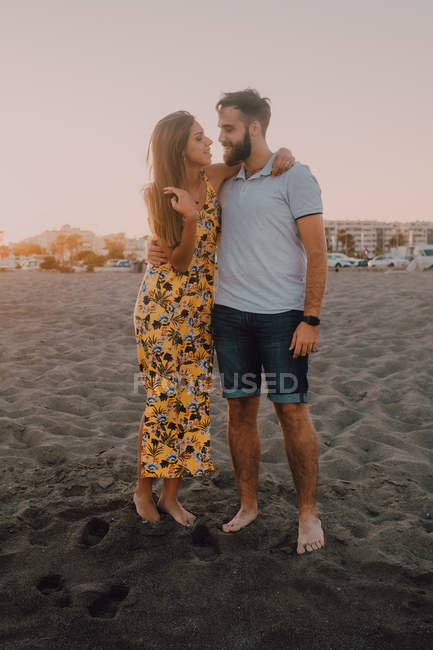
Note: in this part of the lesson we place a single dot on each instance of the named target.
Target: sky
(84, 82)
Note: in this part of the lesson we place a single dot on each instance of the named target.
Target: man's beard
(239, 152)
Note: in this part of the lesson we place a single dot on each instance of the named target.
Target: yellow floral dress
(172, 320)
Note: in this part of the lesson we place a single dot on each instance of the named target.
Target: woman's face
(197, 150)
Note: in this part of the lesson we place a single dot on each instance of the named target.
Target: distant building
(48, 237)
(374, 235)
(134, 246)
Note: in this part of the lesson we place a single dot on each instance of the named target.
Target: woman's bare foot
(145, 506)
(310, 537)
(177, 511)
(240, 520)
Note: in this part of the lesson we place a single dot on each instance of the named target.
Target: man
(272, 266)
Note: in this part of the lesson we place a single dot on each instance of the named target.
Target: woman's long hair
(166, 147)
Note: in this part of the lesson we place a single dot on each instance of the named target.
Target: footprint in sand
(53, 585)
(48, 584)
(107, 604)
(94, 532)
(205, 545)
(74, 491)
(35, 517)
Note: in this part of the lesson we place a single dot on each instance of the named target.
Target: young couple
(272, 269)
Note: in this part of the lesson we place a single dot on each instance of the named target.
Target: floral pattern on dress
(172, 320)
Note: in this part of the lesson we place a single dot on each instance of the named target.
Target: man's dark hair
(250, 104)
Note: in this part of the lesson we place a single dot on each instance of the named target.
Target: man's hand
(155, 254)
(283, 161)
(304, 340)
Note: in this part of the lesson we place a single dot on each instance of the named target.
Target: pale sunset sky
(83, 83)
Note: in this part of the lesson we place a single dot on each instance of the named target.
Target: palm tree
(347, 240)
(341, 237)
(397, 240)
(58, 247)
(115, 245)
(73, 242)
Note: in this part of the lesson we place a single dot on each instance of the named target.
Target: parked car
(112, 263)
(31, 264)
(387, 260)
(339, 260)
(423, 258)
(123, 264)
(8, 263)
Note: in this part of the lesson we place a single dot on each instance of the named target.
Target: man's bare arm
(312, 234)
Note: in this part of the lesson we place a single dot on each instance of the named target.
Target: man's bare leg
(143, 498)
(244, 445)
(168, 502)
(300, 441)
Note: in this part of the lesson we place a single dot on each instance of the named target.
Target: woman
(173, 313)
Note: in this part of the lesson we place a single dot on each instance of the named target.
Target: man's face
(234, 135)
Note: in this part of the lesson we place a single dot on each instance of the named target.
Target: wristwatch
(311, 320)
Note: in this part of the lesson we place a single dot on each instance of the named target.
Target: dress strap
(209, 188)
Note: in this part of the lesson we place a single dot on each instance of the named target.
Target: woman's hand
(155, 254)
(283, 161)
(182, 202)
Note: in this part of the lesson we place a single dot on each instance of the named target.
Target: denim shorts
(247, 344)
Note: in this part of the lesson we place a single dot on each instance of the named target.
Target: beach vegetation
(397, 240)
(115, 245)
(347, 241)
(90, 258)
(58, 247)
(26, 249)
(49, 263)
(72, 244)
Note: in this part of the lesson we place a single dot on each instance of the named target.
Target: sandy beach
(80, 570)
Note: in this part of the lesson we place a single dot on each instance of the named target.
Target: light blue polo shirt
(261, 259)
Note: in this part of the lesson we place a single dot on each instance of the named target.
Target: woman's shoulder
(211, 182)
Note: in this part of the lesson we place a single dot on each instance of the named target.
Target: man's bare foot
(310, 537)
(240, 520)
(177, 511)
(146, 507)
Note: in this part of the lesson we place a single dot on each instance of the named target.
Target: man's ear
(255, 129)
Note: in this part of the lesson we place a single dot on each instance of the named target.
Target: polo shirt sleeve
(303, 192)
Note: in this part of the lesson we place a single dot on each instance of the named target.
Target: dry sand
(78, 568)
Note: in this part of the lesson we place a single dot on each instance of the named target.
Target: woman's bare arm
(181, 255)
(220, 172)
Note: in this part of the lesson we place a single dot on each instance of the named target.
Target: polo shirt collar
(266, 171)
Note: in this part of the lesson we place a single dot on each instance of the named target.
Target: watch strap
(311, 320)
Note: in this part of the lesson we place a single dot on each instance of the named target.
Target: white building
(373, 236)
